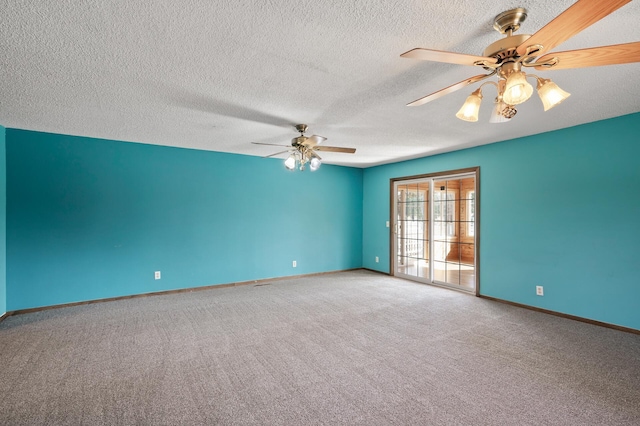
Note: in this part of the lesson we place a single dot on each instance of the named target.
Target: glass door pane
(454, 233)
(467, 225)
(412, 243)
(442, 210)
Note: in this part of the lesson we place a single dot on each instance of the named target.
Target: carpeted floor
(347, 348)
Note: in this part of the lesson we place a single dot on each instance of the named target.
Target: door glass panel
(453, 273)
(467, 232)
(453, 253)
(439, 271)
(423, 261)
(412, 212)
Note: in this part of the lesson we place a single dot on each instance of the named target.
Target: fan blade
(594, 57)
(576, 18)
(450, 89)
(335, 149)
(277, 153)
(447, 57)
(270, 144)
(314, 140)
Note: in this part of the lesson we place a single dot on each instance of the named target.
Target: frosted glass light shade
(517, 89)
(314, 164)
(497, 115)
(550, 94)
(290, 163)
(471, 107)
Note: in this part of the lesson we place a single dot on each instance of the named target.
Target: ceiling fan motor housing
(505, 48)
(298, 141)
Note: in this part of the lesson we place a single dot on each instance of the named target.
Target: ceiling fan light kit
(506, 58)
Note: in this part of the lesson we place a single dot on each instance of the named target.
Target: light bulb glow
(471, 107)
(290, 163)
(550, 94)
(314, 164)
(517, 89)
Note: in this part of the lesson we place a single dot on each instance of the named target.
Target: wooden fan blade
(576, 18)
(277, 153)
(594, 57)
(270, 144)
(450, 89)
(314, 140)
(335, 149)
(447, 57)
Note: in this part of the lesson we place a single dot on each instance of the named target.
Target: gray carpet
(347, 348)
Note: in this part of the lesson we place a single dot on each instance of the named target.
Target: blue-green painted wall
(3, 217)
(559, 209)
(90, 219)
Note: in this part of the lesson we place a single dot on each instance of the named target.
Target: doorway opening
(435, 234)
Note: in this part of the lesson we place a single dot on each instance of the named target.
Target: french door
(435, 232)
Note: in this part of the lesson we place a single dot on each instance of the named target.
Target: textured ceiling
(218, 75)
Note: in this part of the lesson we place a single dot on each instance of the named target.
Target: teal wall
(90, 219)
(559, 209)
(3, 217)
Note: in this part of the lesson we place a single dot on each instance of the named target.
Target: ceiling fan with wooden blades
(303, 150)
(507, 57)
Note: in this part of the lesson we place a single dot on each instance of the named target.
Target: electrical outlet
(387, 224)
(295, 263)
(158, 275)
(539, 290)
(377, 259)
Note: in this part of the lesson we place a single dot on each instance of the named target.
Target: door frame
(392, 228)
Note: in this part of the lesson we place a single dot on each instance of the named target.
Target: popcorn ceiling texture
(220, 75)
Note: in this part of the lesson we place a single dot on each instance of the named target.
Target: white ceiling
(218, 75)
